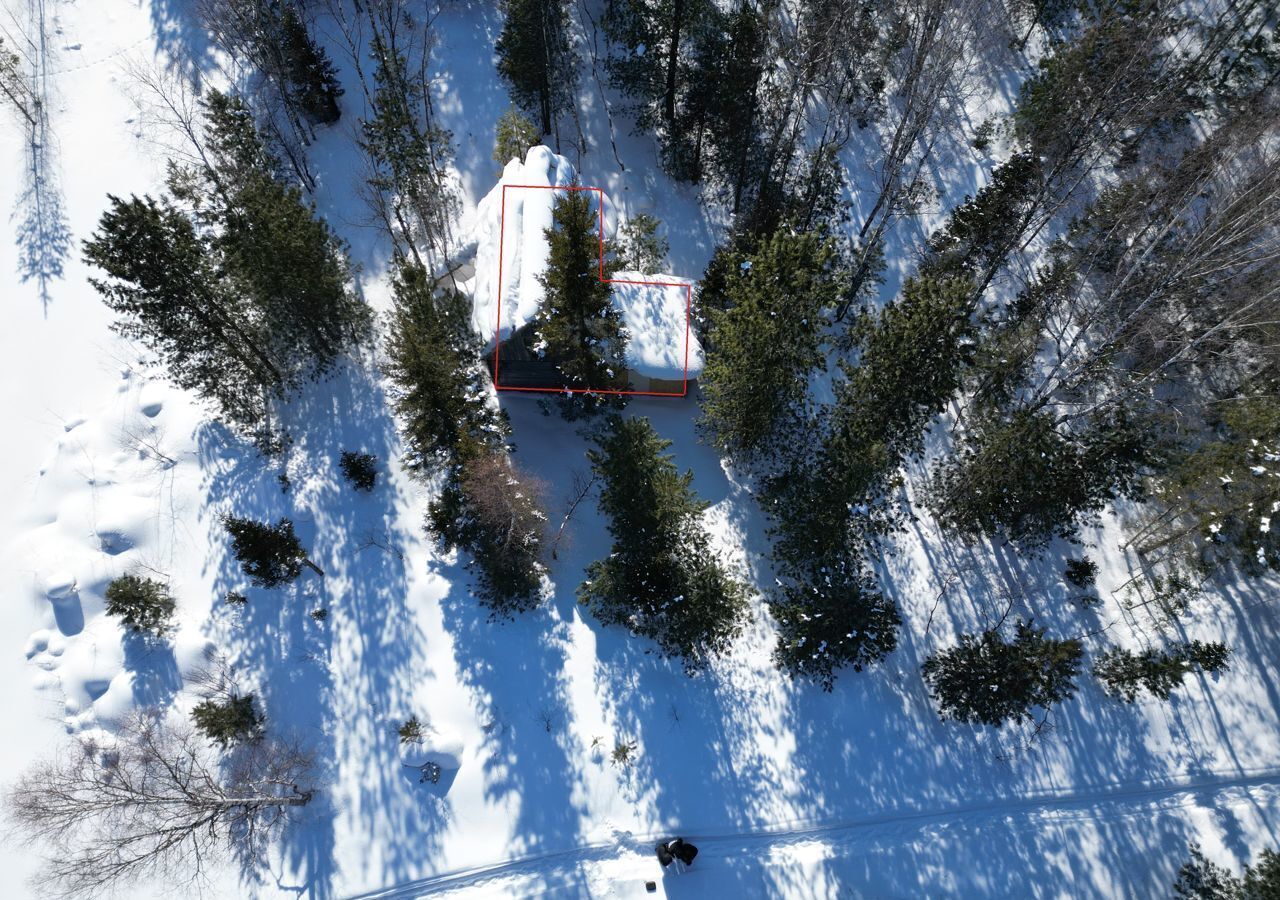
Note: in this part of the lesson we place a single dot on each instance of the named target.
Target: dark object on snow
(676, 849)
(682, 851)
(650, 886)
(664, 855)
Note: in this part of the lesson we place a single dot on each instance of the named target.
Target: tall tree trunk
(673, 55)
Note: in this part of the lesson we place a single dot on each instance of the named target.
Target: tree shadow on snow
(343, 683)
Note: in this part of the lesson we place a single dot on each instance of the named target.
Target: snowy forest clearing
(566, 748)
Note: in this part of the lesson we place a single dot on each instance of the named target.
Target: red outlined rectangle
(497, 343)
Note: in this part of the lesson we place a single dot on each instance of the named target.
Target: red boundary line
(497, 343)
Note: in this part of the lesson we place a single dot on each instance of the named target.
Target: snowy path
(623, 865)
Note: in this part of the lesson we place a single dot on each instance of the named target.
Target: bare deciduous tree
(154, 800)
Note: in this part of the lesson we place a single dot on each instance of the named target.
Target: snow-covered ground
(789, 791)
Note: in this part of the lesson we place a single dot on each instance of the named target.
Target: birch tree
(154, 800)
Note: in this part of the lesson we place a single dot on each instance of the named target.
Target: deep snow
(790, 791)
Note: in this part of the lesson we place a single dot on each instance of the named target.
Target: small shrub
(235, 599)
(141, 603)
(231, 721)
(1081, 572)
(361, 469)
(624, 753)
(984, 133)
(319, 615)
(271, 555)
(411, 731)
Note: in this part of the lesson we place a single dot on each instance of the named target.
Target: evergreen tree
(309, 72)
(244, 294)
(535, 58)
(908, 367)
(737, 64)
(273, 246)
(1200, 878)
(142, 604)
(1022, 478)
(652, 59)
(765, 341)
(639, 247)
(515, 135)
(1125, 674)
(271, 555)
(361, 469)
(661, 578)
(440, 386)
(1262, 879)
(982, 231)
(230, 721)
(988, 680)
(167, 290)
(833, 617)
(1212, 506)
(578, 327)
(1081, 572)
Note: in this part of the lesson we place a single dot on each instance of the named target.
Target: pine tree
(271, 555)
(165, 287)
(650, 51)
(244, 293)
(230, 721)
(988, 680)
(1200, 878)
(515, 135)
(142, 604)
(361, 469)
(1125, 674)
(909, 365)
(639, 247)
(308, 70)
(412, 193)
(832, 617)
(764, 342)
(661, 578)
(1022, 478)
(535, 58)
(275, 248)
(578, 327)
(434, 364)
(1262, 879)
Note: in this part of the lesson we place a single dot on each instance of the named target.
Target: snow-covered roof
(655, 315)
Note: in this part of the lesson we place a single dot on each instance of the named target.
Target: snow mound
(653, 307)
(518, 236)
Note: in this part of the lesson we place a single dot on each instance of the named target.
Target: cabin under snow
(662, 349)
